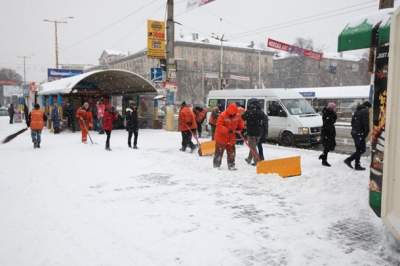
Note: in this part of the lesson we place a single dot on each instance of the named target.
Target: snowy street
(75, 204)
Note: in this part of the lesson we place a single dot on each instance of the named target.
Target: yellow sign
(156, 39)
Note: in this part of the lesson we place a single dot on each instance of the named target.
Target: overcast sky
(102, 24)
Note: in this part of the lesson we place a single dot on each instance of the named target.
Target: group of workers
(37, 118)
(227, 128)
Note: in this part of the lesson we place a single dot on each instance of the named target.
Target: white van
(292, 120)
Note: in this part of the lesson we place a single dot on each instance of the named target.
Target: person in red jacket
(85, 119)
(200, 114)
(110, 115)
(228, 123)
(187, 124)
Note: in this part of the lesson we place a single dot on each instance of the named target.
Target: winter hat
(332, 106)
(232, 109)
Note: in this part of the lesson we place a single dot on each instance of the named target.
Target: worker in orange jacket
(85, 118)
(36, 121)
(187, 126)
(228, 123)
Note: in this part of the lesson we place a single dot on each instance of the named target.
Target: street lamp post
(56, 22)
(221, 66)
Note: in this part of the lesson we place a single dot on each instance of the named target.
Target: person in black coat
(328, 132)
(69, 113)
(254, 118)
(263, 135)
(11, 112)
(359, 132)
(132, 125)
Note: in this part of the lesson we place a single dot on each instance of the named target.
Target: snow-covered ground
(75, 204)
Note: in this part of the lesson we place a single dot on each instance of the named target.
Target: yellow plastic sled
(207, 148)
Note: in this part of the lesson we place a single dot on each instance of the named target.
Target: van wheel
(287, 139)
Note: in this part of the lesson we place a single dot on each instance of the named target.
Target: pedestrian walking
(228, 123)
(213, 120)
(328, 132)
(187, 125)
(26, 114)
(359, 132)
(37, 118)
(110, 115)
(55, 118)
(263, 134)
(254, 118)
(69, 113)
(132, 125)
(101, 107)
(85, 119)
(200, 114)
(11, 112)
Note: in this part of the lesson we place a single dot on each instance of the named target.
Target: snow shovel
(13, 136)
(205, 148)
(285, 167)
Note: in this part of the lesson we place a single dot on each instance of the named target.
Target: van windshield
(298, 106)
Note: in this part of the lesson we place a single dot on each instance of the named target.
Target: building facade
(292, 71)
(198, 68)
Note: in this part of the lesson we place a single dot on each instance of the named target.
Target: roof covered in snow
(109, 81)
(212, 41)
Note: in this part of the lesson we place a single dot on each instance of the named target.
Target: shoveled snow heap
(75, 204)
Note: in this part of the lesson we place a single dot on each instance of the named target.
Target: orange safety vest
(37, 122)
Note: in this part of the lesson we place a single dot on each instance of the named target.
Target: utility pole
(56, 22)
(259, 70)
(24, 57)
(221, 65)
(170, 32)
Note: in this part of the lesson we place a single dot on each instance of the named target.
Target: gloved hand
(189, 124)
(231, 131)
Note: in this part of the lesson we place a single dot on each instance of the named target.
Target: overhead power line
(303, 20)
(112, 24)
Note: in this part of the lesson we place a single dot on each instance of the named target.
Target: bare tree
(10, 74)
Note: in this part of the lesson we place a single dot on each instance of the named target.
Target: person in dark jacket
(110, 115)
(132, 125)
(11, 112)
(328, 132)
(213, 119)
(69, 113)
(263, 134)
(254, 118)
(359, 132)
(26, 114)
(55, 118)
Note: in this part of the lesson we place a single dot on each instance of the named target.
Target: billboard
(54, 73)
(11, 90)
(293, 49)
(156, 39)
(197, 3)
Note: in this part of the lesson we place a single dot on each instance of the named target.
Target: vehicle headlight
(304, 130)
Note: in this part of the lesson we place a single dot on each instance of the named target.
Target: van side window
(274, 108)
(217, 103)
(239, 102)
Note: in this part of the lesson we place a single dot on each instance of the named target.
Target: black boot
(325, 163)
(321, 157)
(348, 163)
(358, 167)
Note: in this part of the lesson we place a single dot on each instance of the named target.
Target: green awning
(360, 34)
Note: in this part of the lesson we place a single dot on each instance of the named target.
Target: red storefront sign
(294, 49)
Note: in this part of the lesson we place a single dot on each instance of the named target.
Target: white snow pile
(74, 204)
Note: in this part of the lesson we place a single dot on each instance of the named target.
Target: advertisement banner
(294, 49)
(378, 129)
(11, 90)
(191, 4)
(54, 73)
(156, 45)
